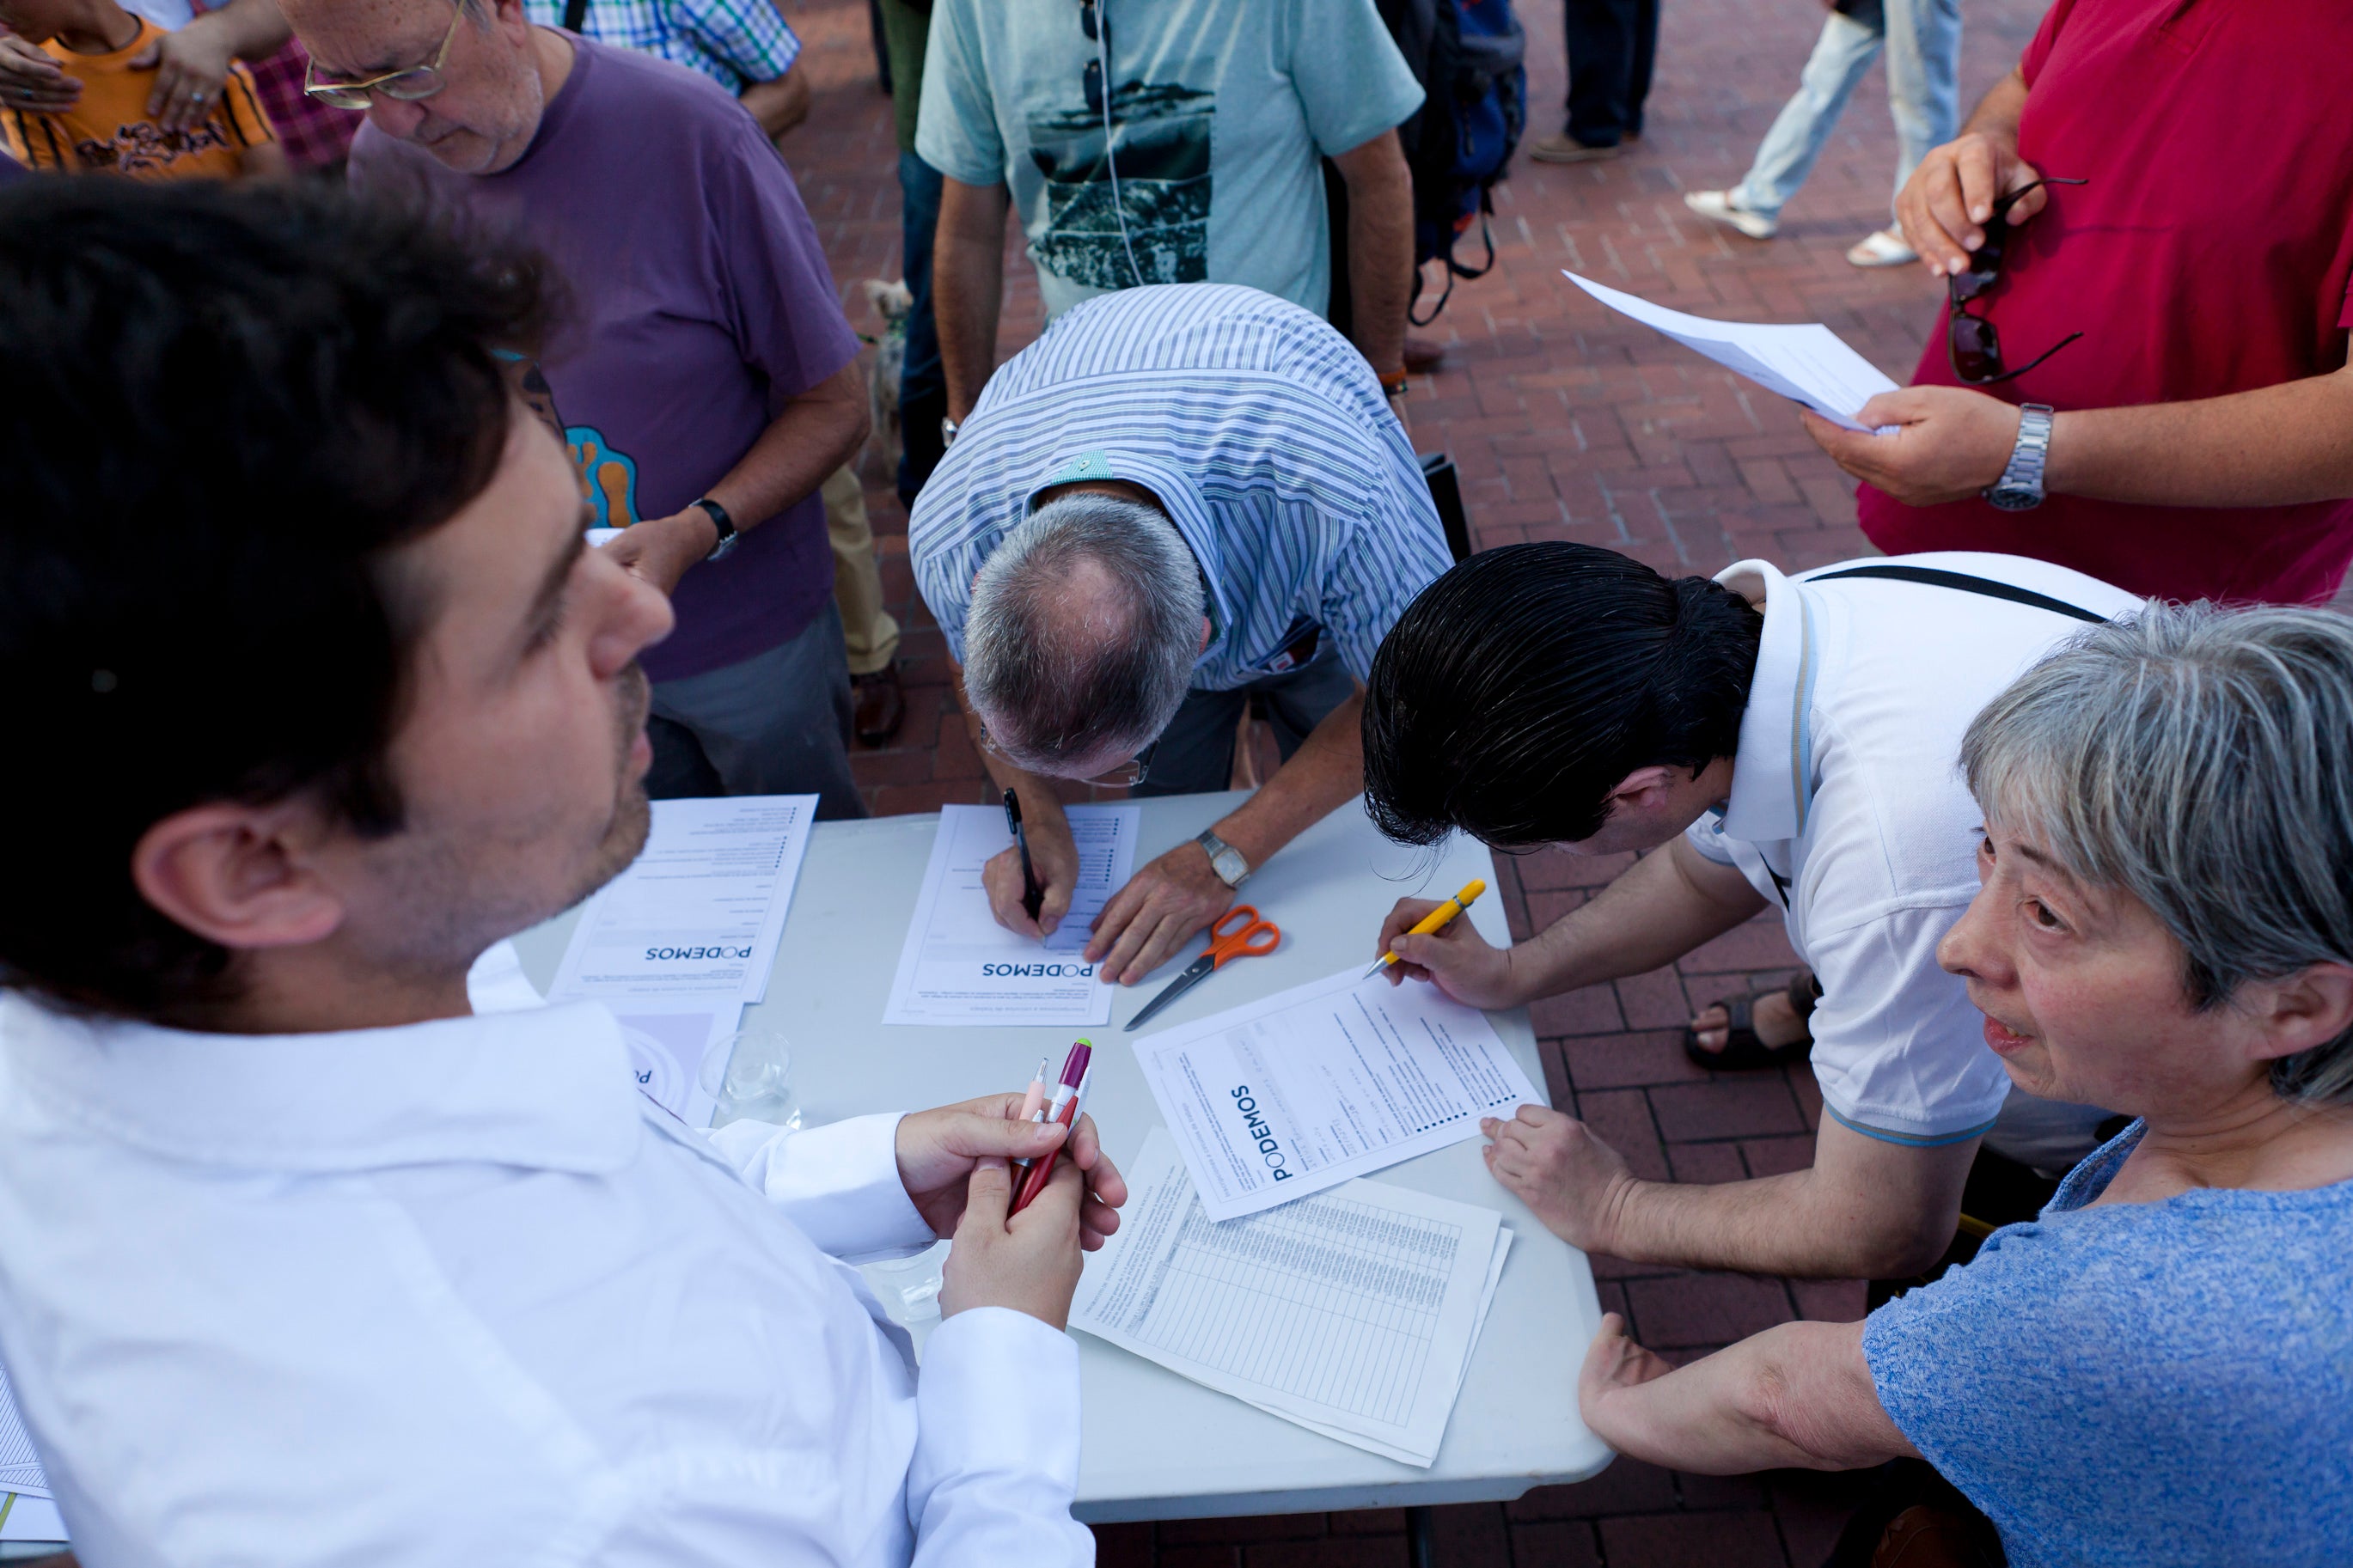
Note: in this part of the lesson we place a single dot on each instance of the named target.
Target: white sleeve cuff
(1706, 838)
(996, 1449)
(838, 1182)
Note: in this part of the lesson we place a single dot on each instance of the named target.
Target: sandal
(1887, 248)
(1743, 1051)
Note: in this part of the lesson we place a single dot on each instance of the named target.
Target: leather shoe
(880, 705)
(1566, 149)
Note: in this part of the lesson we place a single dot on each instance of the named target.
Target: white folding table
(1156, 1446)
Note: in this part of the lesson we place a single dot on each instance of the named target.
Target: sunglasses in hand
(1971, 342)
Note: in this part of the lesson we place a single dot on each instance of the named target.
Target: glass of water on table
(749, 1076)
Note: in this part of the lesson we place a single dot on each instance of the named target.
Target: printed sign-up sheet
(696, 917)
(1334, 1078)
(959, 966)
(1353, 1314)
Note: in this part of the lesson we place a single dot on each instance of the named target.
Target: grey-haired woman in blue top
(2160, 1370)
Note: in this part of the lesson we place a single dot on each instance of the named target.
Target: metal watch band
(2020, 488)
(724, 523)
(947, 432)
(1226, 860)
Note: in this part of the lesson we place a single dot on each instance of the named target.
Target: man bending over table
(314, 1247)
(1780, 743)
(1178, 498)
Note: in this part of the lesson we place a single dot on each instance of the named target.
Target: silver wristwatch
(1225, 859)
(947, 432)
(2020, 488)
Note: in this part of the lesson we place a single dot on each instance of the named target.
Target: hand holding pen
(939, 1152)
(1030, 881)
(1033, 891)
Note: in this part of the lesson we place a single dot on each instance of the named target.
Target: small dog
(892, 302)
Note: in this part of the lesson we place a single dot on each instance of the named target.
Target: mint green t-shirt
(1220, 112)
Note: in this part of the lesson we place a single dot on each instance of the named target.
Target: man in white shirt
(1790, 743)
(308, 1254)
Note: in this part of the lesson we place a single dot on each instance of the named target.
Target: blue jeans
(923, 385)
(1924, 52)
(1612, 45)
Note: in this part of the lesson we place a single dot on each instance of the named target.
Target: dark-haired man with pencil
(1778, 742)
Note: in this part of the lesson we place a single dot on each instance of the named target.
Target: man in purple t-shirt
(705, 378)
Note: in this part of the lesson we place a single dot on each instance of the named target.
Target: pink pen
(1033, 1109)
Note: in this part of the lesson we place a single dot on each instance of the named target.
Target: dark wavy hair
(1520, 688)
(220, 409)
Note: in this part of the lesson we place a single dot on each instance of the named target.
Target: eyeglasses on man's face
(407, 86)
(1970, 341)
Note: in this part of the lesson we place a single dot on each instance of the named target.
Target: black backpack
(1469, 55)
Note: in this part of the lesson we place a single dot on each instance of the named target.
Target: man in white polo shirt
(1793, 743)
(319, 1240)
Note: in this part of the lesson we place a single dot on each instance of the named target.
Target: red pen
(1065, 1115)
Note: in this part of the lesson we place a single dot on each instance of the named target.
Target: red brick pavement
(1566, 423)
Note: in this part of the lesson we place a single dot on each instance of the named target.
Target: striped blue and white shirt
(1262, 433)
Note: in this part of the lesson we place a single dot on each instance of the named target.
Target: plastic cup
(909, 1287)
(749, 1076)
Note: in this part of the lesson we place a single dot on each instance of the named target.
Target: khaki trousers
(868, 631)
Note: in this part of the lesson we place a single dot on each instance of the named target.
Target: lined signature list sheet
(696, 917)
(1352, 1312)
(1328, 1080)
(959, 966)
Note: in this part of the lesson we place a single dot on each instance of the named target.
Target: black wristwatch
(728, 537)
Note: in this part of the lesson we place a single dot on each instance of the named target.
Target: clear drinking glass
(749, 1075)
(909, 1287)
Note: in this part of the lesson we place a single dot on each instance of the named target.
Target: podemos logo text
(1269, 1149)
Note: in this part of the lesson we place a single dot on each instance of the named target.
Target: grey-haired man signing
(1178, 497)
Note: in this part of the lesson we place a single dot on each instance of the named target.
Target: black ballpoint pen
(1033, 895)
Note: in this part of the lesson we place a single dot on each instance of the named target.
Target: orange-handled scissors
(1240, 942)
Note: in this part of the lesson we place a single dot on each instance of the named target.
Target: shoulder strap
(575, 13)
(1936, 577)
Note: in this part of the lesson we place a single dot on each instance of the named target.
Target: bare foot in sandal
(1756, 1029)
(1772, 1016)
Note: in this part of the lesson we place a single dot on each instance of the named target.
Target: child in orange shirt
(107, 128)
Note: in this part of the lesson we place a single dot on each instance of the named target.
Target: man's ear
(1205, 632)
(2308, 1008)
(1643, 790)
(238, 875)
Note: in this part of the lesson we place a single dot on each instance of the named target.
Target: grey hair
(1062, 678)
(2202, 760)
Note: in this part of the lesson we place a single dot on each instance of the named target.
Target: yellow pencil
(1436, 920)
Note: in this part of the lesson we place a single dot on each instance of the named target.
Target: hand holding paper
(1809, 365)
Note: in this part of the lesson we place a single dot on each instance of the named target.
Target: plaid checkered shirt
(734, 42)
(313, 134)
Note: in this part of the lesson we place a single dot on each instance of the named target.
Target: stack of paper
(678, 944)
(1805, 363)
(1352, 1314)
(1335, 1078)
(959, 966)
(26, 1513)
